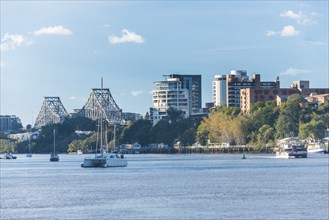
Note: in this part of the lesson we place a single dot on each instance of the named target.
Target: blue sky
(59, 48)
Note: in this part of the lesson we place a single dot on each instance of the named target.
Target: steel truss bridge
(100, 104)
(52, 111)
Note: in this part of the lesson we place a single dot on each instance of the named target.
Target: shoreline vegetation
(224, 130)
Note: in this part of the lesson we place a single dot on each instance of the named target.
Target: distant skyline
(59, 48)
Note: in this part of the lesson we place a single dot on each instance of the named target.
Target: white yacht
(315, 148)
(291, 147)
(104, 160)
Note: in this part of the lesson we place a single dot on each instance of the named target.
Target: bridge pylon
(52, 112)
(101, 103)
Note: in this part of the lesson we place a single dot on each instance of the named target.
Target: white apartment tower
(168, 93)
(219, 90)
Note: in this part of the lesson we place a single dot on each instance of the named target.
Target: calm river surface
(189, 186)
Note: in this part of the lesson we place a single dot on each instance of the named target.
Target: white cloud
(295, 72)
(73, 98)
(299, 17)
(126, 37)
(289, 31)
(3, 64)
(12, 41)
(56, 30)
(270, 33)
(137, 92)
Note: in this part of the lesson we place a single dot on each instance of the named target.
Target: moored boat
(315, 148)
(104, 160)
(53, 155)
(291, 148)
(10, 156)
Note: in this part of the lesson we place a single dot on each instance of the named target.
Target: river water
(186, 186)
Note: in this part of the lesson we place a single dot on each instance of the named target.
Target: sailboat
(53, 155)
(103, 160)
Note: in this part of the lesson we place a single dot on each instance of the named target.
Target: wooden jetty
(214, 149)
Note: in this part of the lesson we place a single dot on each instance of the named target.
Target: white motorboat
(315, 148)
(291, 148)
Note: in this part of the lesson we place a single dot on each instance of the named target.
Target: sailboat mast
(101, 136)
(114, 135)
(54, 141)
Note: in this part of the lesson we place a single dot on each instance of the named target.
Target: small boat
(79, 152)
(291, 148)
(295, 151)
(10, 156)
(54, 156)
(315, 148)
(243, 156)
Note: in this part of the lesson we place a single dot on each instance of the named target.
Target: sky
(64, 48)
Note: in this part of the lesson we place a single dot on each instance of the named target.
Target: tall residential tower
(181, 92)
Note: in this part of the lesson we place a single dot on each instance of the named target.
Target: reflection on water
(189, 186)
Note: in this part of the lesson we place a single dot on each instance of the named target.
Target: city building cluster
(182, 92)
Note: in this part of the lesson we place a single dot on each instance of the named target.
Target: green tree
(314, 129)
(223, 125)
(263, 113)
(265, 134)
(139, 131)
(288, 121)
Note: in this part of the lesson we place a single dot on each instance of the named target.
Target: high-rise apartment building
(219, 90)
(237, 80)
(169, 93)
(9, 122)
(182, 92)
(193, 85)
(249, 96)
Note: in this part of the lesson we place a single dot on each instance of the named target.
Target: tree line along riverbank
(260, 129)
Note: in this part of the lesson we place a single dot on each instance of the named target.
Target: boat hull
(316, 151)
(54, 158)
(94, 162)
(116, 162)
(10, 156)
(289, 155)
(111, 161)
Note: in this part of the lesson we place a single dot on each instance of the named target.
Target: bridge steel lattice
(52, 111)
(101, 104)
